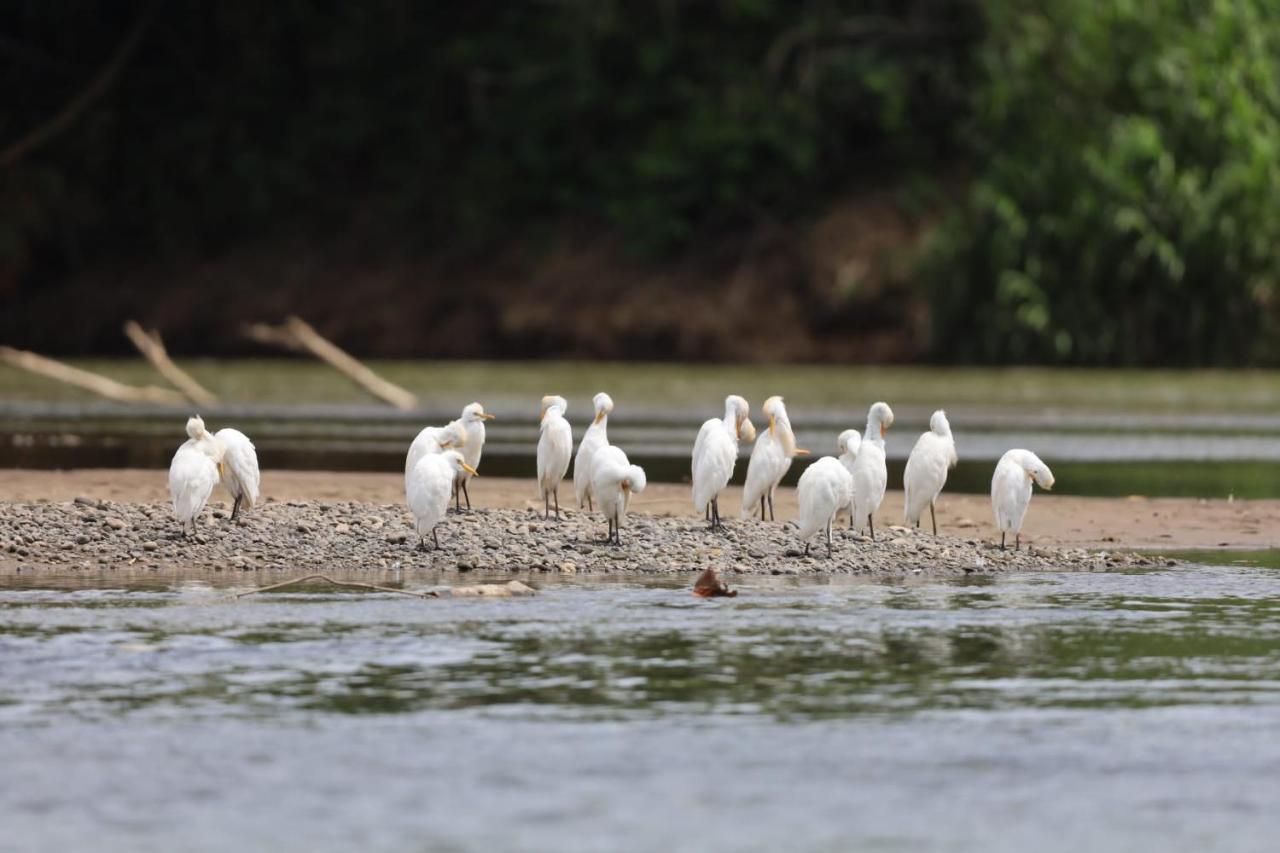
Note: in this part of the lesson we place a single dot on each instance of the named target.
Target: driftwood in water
(352, 584)
(709, 585)
(152, 348)
(297, 335)
(93, 382)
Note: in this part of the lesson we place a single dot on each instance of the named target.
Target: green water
(1065, 711)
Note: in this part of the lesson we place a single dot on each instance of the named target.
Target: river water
(1118, 711)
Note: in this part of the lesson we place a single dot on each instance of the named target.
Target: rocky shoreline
(297, 536)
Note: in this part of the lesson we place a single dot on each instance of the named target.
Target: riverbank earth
(95, 519)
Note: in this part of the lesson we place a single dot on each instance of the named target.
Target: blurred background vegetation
(993, 181)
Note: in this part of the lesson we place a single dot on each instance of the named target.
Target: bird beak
(542, 416)
(771, 422)
(599, 417)
(472, 471)
(486, 416)
(221, 469)
(801, 452)
(883, 430)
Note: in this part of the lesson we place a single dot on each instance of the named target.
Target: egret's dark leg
(546, 505)
(557, 495)
(590, 508)
(762, 507)
(771, 518)
(871, 522)
(932, 518)
(422, 543)
(435, 537)
(806, 549)
(715, 514)
(850, 516)
(235, 507)
(467, 493)
(1017, 541)
(708, 512)
(828, 538)
(457, 497)
(1001, 540)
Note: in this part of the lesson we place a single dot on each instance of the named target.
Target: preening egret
(193, 473)
(472, 423)
(597, 436)
(555, 447)
(926, 472)
(614, 480)
(451, 436)
(847, 445)
(240, 475)
(1011, 490)
(825, 487)
(715, 451)
(770, 459)
(870, 474)
(427, 490)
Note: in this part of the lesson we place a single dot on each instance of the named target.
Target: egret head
(195, 427)
(849, 442)
(1039, 472)
(475, 413)
(879, 419)
(603, 404)
(550, 402)
(458, 463)
(939, 424)
(773, 409)
(738, 408)
(635, 481)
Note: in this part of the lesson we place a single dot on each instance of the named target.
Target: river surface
(1122, 711)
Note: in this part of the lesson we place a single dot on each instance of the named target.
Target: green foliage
(460, 123)
(1123, 208)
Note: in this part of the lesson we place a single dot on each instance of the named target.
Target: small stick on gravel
(351, 584)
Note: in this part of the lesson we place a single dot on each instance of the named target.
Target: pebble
(115, 523)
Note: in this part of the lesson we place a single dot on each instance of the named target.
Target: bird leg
(708, 512)
(851, 516)
(617, 531)
(1001, 540)
(932, 518)
(235, 508)
(467, 493)
(771, 518)
(435, 537)
(1017, 540)
(557, 496)
(806, 549)
(590, 508)
(716, 524)
(762, 507)
(871, 522)
(828, 537)
(457, 497)
(422, 543)
(546, 505)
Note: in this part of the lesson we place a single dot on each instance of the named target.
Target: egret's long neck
(785, 436)
(873, 430)
(731, 420)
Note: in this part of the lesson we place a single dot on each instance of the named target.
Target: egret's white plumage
(715, 451)
(770, 459)
(240, 475)
(847, 445)
(927, 466)
(472, 424)
(613, 481)
(555, 447)
(596, 437)
(451, 436)
(1011, 490)
(824, 487)
(870, 473)
(427, 489)
(194, 471)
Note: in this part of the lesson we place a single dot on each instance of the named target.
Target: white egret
(597, 436)
(427, 491)
(1011, 490)
(613, 481)
(451, 436)
(824, 487)
(472, 423)
(555, 447)
(240, 475)
(770, 459)
(926, 471)
(193, 473)
(715, 451)
(870, 474)
(847, 445)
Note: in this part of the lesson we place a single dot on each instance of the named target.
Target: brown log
(298, 335)
(152, 348)
(93, 382)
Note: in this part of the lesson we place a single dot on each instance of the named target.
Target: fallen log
(152, 348)
(89, 381)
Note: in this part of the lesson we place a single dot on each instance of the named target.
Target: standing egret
(193, 473)
(240, 475)
(555, 447)
(926, 472)
(1011, 491)
(451, 436)
(824, 487)
(613, 480)
(848, 445)
(427, 491)
(770, 459)
(596, 437)
(472, 423)
(870, 474)
(714, 453)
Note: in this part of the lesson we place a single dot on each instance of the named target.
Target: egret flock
(442, 460)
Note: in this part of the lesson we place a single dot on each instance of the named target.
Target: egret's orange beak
(599, 417)
(801, 452)
(772, 419)
(221, 470)
(542, 416)
(472, 471)
(486, 416)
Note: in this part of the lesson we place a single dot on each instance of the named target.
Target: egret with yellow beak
(427, 491)
(770, 459)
